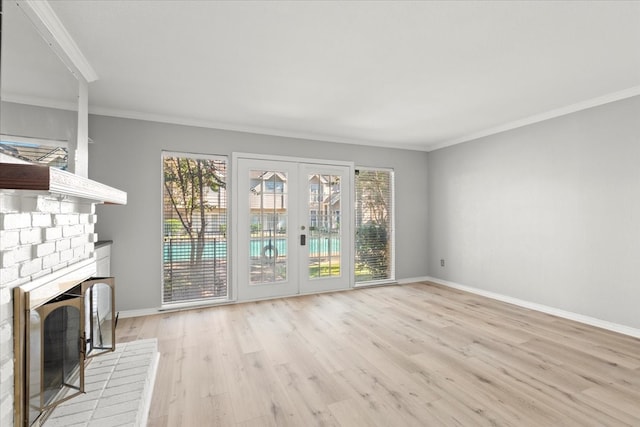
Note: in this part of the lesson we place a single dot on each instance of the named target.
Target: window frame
(392, 225)
(229, 235)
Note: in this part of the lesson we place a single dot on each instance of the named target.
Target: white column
(81, 164)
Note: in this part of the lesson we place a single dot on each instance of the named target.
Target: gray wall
(548, 213)
(126, 154)
(38, 122)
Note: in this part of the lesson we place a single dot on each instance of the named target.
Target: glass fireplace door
(100, 330)
(55, 366)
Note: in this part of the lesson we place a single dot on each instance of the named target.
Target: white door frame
(235, 193)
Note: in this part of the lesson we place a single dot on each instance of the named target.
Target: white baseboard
(615, 327)
(414, 280)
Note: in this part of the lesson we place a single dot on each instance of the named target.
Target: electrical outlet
(441, 263)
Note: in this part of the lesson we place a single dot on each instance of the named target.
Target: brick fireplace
(47, 228)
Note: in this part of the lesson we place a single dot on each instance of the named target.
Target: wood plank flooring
(411, 355)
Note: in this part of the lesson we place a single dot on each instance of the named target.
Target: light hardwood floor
(411, 355)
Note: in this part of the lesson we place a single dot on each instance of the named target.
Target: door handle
(303, 239)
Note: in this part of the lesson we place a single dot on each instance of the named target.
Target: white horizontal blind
(194, 228)
(374, 240)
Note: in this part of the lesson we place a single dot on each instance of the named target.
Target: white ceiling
(417, 75)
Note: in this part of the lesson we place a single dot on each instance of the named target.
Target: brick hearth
(118, 389)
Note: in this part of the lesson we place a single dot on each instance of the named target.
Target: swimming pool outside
(176, 250)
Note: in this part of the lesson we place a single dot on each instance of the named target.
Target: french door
(293, 227)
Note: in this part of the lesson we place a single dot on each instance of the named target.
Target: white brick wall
(66, 219)
(9, 239)
(13, 220)
(41, 220)
(45, 249)
(30, 235)
(14, 256)
(31, 267)
(52, 233)
(39, 234)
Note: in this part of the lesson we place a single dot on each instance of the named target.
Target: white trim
(352, 225)
(587, 320)
(65, 183)
(579, 106)
(257, 156)
(414, 280)
(237, 127)
(160, 249)
(393, 225)
(56, 35)
(176, 307)
(375, 168)
(81, 147)
(212, 124)
(188, 305)
(615, 327)
(374, 283)
(194, 156)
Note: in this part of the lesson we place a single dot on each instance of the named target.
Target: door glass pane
(323, 219)
(268, 214)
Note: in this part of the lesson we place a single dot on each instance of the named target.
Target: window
(47, 152)
(274, 186)
(374, 242)
(313, 190)
(194, 252)
(313, 218)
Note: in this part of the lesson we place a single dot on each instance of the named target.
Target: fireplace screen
(100, 332)
(61, 332)
(55, 352)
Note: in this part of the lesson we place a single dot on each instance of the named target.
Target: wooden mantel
(18, 176)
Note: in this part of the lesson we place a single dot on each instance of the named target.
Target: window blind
(194, 228)
(374, 239)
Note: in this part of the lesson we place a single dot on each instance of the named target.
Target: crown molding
(56, 35)
(212, 124)
(573, 108)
